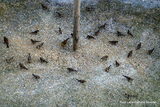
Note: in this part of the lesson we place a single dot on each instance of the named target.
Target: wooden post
(76, 23)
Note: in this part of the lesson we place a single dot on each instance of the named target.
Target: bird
(81, 81)
(129, 33)
(60, 30)
(72, 35)
(105, 57)
(89, 9)
(34, 32)
(42, 60)
(138, 46)
(22, 66)
(130, 54)
(34, 41)
(71, 70)
(59, 14)
(120, 34)
(44, 7)
(97, 32)
(40, 45)
(113, 42)
(117, 64)
(107, 69)
(9, 60)
(150, 51)
(29, 58)
(128, 78)
(63, 43)
(6, 41)
(90, 37)
(36, 76)
(102, 26)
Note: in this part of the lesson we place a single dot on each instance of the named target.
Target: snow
(57, 87)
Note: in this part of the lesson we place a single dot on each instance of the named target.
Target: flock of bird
(63, 44)
(119, 34)
(41, 59)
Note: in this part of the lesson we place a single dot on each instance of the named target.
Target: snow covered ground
(58, 87)
(144, 3)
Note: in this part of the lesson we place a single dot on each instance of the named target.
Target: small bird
(130, 54)
(29, 58)
(59, 14)
(128, 78)
(150, 51)
(120, 34)
(71, 70)
(34, 32)
(9, 60)
(113, 42)
(34, 41)
(105, 57)
(81, 81)
(22, 66)
(44, 7)
(6, 41)
(36, 76)
(138, 46)
(107, 69)
(102, 26)
(97, 32)
(60, 30)
(117, 64)
(42, 60)
(90, 37)
(89, 9)
(63, 43)
(129, 33)
(40, 45)
(72, 35)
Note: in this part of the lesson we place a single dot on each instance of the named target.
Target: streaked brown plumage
(90, 37)
(63, 43)
(71, 70)
(39, 46)
(107, 69)
(44, 7)
(105, 57)
(150, 51)
(9, 60)
(130, 54)
(113, 42)
(89, 9)
(129, 33)
(34, 41)
(29, 58)
(42, 60)
(36, 76)
(6, 41)
(22, 66)
(102, 26)
(60, 30)
(59, 14)
(81, 81)
(34, 32)
(97, 32)
(117, 64)
(72, 35)
(120, 34)
(138, 46)
(128, 78)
